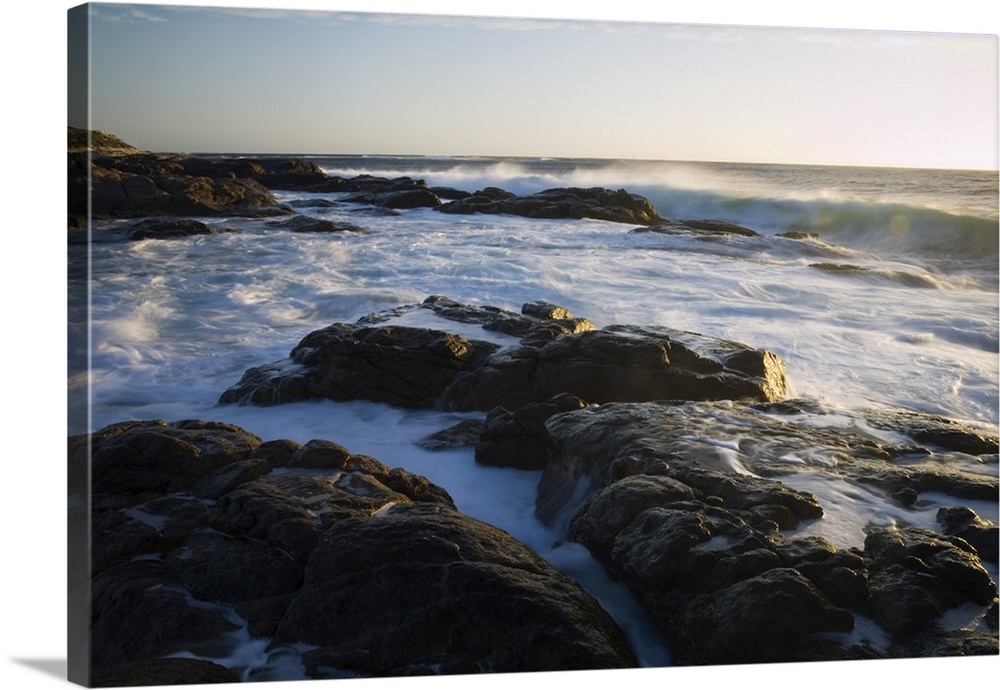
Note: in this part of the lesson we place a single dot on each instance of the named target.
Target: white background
(34, 354)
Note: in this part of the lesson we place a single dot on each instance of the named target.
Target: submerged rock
(699, 228)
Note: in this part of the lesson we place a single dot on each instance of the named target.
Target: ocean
(886, 295)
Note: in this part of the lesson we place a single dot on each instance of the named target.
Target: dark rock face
(141, 185)
(676, 500)
(518, 439)
(701, 228)
(139, 457)
(416, 586)
(602, 204)
(399, 194)
(621, 363)
(558, 353)
(399, 365)
(163, 672)
(123, 182)
(300, 223)
(160, 228)
(916, 575)
(193, 530)
(119, 181)
(962, 522)
(464, 434)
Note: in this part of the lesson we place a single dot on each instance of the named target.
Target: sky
(229, 79)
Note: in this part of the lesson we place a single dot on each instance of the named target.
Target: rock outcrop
(690, 504)
(111, 179)
(219, 537)
(556, 353)
(618, 206)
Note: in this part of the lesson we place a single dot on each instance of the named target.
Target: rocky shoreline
(363, 570)
(115, 180)
(675, 458)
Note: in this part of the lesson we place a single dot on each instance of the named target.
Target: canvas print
(408, 345)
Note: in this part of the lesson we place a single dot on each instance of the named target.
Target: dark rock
(308, 224)
(937, 431)
(320, 454)
(545, 310)
(270, 384)
(413, 586)
(276, 453)
(176, 671)
(620, 363)
(617, 505)
(798, 235)
(118, 537)
(915, 575)
(164, 228)
(313, 203)
(263, 615)
(429, 368)
(963, 522)
(155, 456)
(517, 439)
(450, 193)
(399, 365)
(464, 434)
(399, 199)
(372, 566)
(602, 204)
(227, 478)
(175, 516)
(115, 192)
(127, 597)
(97, 142)
(757, 619)
(702, 228)
(662, 494)
(110, 179)
(291, 511)
(937, 643)
(838, 573)
(218, 568)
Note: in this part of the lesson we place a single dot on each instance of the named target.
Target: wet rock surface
(690, 504)
(123, 182)
(376, 359)
(219, 537)
(603, 204)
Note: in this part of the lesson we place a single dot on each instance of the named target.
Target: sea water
(885, 296)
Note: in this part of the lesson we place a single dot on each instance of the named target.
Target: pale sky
(176, 78)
